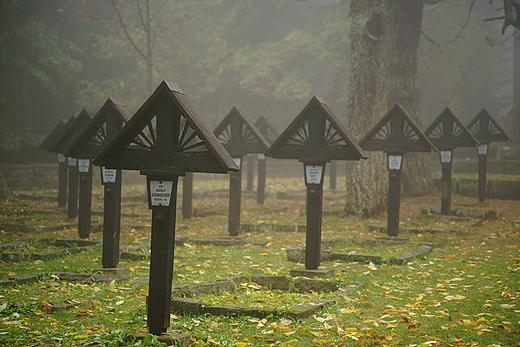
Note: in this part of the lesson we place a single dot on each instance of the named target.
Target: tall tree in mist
(367, 103)
(404, 27)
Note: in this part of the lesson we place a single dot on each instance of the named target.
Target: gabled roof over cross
(486, 129)
(315, 135)
(266, 129)
(55, 132)
(101, 129)
(167, 134)
(239, 135)
(448, 132)
(71, 131)
(396, 132)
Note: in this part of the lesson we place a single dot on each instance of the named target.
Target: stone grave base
(320, 272)
(183, 297)
(170, 339)
(465, 213)
(115, 271)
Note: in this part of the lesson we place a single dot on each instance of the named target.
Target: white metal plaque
(261, 156)
(394, 162)
(108, 175)
(72, 161)
(61, 158)
(238, 161)
(445, 156)
(482, 149)
(160, 193)
(83, 165)
(313, 174)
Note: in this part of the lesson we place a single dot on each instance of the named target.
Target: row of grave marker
(166, 139)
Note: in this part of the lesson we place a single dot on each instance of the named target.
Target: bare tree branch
(465, 23)
(432, 41)
(127, 34)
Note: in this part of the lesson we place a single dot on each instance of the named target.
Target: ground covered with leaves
(463, 293)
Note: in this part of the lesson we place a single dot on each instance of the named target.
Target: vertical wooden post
(62, 180)
(314, 218)
(250, 172)
(395, 162)
(394, 202)
(187, 195)
(482, 171)
(72, 203)
(85, 197)
(161, 262)
(333, 174)
(446, 189)
(262, 173)
(313, 232)
(235, 201)
(111, 221)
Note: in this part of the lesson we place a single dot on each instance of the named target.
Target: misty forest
(450, 279)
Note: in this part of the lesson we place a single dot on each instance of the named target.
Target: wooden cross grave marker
(395, 134)
(315, 137)
(164, 139)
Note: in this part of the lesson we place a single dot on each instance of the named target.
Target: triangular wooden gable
(448, 132)
(166, 133)
(396, 132)
(266, 129)
(101, 129)
(239, 135)
(72, 130)
(486, 129)
(315, 134)
(55, 132)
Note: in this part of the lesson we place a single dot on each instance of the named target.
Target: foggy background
(264, 57)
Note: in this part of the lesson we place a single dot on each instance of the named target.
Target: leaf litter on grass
(464, 293)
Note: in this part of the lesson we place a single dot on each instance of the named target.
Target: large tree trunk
(404, 30)
(367, 181)
(512, 123)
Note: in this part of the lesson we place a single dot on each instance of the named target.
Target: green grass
(464, 293)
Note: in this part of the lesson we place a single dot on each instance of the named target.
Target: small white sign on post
(261, 156)
(160, 193)
(83, 165)
(445, 156)
(61, 158)
(394, 162)
(108, 175)
(238, 161)
(72, 161)
(313, 174)
(482, 149)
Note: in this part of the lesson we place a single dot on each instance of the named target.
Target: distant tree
(35, 57)
(143, 22)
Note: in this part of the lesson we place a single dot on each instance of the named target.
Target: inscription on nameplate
(61, 158)
(313, 173)
(108, 175)
(394, 162)
(160, 193)
(72, 161)
(482, 149)
(261, 156)
(445, 156)
(83, 165)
